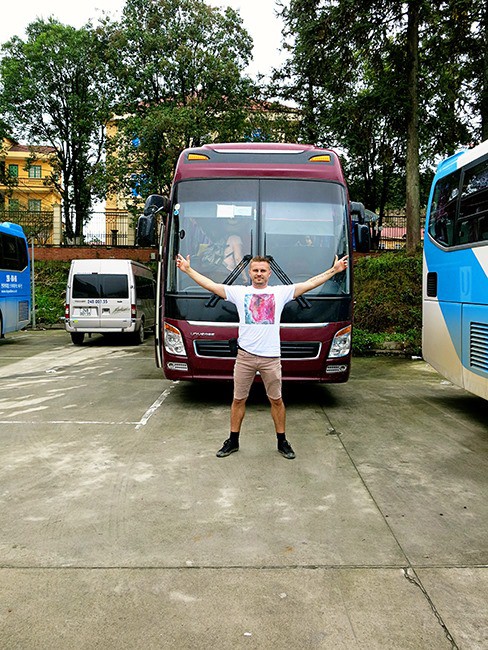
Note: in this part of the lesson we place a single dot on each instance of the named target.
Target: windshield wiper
(281, 275)
(233, 275)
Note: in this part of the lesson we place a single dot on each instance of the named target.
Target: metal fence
(392, 234)
(112, 228)
(37, 225)
(117, 228)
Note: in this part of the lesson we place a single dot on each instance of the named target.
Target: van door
(115, 306)
(85, 301)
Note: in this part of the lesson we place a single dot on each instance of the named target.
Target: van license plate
(85, 311)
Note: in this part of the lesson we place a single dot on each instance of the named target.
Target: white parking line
(154, 407)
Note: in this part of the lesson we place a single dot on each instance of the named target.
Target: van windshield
(100, 285)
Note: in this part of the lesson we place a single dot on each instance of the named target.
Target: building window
(13, 205)
(13, 170)
(34, 205)
(35, 171)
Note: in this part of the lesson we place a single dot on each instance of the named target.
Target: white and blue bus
(15, 279)
(455, 277)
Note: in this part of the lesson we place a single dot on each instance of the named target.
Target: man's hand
(340, 264)
(182, 263)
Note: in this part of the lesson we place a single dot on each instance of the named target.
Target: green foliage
(180, 68)
(353, 72)
(55, 90)
(50, 291)
(388, 293)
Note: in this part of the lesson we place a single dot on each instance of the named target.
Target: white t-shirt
(259, 316)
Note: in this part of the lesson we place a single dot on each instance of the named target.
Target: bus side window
(483, 228)
(443, 211)
(474, 204)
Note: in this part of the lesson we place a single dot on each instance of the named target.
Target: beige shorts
(245, 369)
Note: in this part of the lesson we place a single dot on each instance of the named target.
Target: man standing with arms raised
(259, 307)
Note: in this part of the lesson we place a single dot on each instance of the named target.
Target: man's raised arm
(208, 284)
(339, 266)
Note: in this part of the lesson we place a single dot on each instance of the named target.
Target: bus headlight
(173, 340)
(341, 343)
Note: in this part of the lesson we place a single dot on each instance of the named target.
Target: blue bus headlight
(173, 340)
(341, 343)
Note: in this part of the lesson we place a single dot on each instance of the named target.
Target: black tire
(77, 338)
(138, 337)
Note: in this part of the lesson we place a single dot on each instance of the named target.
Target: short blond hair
(259, 259)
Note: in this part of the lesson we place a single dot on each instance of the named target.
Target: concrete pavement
(119, 528)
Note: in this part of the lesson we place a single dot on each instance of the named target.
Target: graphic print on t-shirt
(259, 308)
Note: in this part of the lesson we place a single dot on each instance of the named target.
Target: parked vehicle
(286, 201)
(455, 276)
(108, 297)
(15, 279)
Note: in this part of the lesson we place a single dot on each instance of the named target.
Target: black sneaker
(228, 448)
(286, 450)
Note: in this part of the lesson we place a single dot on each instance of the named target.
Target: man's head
(259, 272)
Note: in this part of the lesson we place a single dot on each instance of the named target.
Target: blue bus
(15, 279)
(455, 275)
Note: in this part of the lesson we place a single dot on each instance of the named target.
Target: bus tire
(77, 338)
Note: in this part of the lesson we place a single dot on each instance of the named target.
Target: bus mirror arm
(230, 279)
(281, 275)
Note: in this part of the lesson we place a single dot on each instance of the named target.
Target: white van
(109, 296)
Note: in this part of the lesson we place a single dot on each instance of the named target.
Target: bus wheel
(77, 338)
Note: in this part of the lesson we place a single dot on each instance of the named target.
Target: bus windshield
(301, 224)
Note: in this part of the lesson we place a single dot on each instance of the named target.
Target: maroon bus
(228, 203)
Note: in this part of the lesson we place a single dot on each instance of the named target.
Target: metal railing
(392, 234)
(117, 228)
(37, 225)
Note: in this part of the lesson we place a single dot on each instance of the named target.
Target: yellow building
(30, 166)
(28, 200)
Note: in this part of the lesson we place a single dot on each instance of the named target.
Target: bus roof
(12, 229)
(462, 158)
(253, 160)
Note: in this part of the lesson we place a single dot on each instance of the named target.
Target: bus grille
(289, 350)
(478, 346)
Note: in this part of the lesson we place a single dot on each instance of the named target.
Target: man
(259, 307)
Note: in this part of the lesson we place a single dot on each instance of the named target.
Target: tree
(180, 64)
(372, 79)
(55, 90)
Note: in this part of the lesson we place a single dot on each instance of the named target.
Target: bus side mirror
(156, 203)
(146, 234)
(357, 211)
(360, 230)
(146, 230)
(363, 238)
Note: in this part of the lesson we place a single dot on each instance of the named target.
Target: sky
(258, 15)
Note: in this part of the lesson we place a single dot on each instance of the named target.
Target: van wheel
(77, 338)
(139, 335)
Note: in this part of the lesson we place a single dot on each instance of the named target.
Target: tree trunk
(484, 87)
(412, 163)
